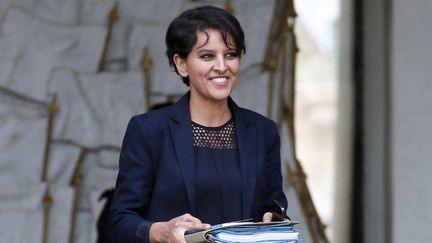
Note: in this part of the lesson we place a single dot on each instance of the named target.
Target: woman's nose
(220, 64)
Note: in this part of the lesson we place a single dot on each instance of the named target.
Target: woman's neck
(210, 114)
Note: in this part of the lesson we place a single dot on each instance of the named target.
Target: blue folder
(247, 232)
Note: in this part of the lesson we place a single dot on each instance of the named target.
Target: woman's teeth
(219, 80)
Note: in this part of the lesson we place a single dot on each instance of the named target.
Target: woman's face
(212, 67)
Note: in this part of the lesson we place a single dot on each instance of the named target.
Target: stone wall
(52, 49)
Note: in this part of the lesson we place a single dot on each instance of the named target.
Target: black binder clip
(279, 212)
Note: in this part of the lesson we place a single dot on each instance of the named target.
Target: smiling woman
(203, 160)
(212, 68)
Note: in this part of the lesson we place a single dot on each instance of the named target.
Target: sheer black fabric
(218, 170)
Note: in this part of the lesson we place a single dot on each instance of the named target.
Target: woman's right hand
(173, 230)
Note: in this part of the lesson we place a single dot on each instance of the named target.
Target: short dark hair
(181, 34)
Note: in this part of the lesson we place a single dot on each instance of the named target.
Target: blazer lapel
(181, 131)
(246, 139)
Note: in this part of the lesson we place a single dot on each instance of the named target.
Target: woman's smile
(220, 80)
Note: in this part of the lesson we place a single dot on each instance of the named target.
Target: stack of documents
(247, 232)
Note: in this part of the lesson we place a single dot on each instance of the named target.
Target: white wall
(397, 61)
(344, 151)
(411, 115)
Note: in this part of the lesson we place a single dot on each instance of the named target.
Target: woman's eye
(206, 56)
(231, 55)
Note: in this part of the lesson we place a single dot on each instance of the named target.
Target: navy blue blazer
(157, 182)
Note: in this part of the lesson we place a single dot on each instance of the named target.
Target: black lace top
(219, 190)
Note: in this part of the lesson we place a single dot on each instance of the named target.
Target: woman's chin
(220, 96)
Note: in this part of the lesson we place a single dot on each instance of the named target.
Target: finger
(267, 217)
(198, 226)
(189, 218)
(182, 225)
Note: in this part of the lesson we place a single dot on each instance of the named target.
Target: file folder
(282, 231)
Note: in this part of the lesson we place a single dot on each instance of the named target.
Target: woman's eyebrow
(204, 50)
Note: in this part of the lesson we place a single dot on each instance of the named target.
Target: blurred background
(347, 81)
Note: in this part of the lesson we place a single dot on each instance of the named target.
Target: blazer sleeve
(133, 188)
(274, 177)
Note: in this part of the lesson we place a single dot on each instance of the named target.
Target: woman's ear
(180, 65)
